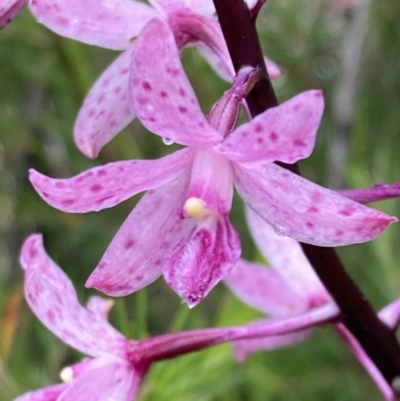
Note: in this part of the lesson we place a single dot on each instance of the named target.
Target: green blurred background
(43, 80)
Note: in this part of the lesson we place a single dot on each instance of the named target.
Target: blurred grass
(42, 84)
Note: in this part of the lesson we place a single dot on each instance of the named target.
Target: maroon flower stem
(377, 340)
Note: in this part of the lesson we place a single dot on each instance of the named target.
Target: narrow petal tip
(30, 249)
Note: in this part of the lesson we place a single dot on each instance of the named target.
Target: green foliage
(43, 81)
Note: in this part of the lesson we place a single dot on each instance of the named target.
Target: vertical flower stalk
(378, 342)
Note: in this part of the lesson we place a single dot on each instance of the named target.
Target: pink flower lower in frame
(116, 24)
(116, 366)
(289, 288)
(181, 228)
(8, 10)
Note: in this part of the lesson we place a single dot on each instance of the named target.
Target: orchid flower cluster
(180, 229)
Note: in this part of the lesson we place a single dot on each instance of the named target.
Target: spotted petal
(264, 289)
(61, 312)
(8, 10)
(304, 211)
(284, 133)
(162, 95)
(50, 393)
(106, 186)
(138, 251)
(112, 24)
(287, 258)
(107, 108)
(198, 6)
(116, 381)
(203, 259)
(33, 256)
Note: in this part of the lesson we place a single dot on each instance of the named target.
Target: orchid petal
(264, 289)
(106, 186)
(162, 95)
(100, 306)
(243, 348)
(202, 260)
(284, 133)
(8, 10)
(112, 24)
(390, 314)
(107, 108)
(205, 7)
(223, 65)
(50, 393)
(138, 251)
(61, 312)
(273, 69)
(115, 381)
(34, 257)
(287, 258)
(304, 211)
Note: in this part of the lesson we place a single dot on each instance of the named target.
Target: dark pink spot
(182, 92)
(105, 83)
(258, 128)
(182, 109)
(299, 143)
(60, 184)
(117, 90)
(96, 188)
(309, 224)
(163, 94)
(102, 265)
(92, 112)
(101, 172)
(297, 107)
(142, 100)
(101, 98)
(312, 209)
(273, 136)
(172, 71)
(32, 252)
(146, 86)
(51, 316)
(338, 233)
(139, 278)
(68, 202)
(129, 243)
(245, 134)
(346, 212)
(124, 71)
(260, 140)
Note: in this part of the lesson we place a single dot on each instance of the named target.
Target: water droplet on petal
(281, 231)
(168, 141)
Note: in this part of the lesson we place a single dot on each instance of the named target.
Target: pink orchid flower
(116, 365)
(180, 228)
(8, 10)
(115, 25)
(290, 287)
